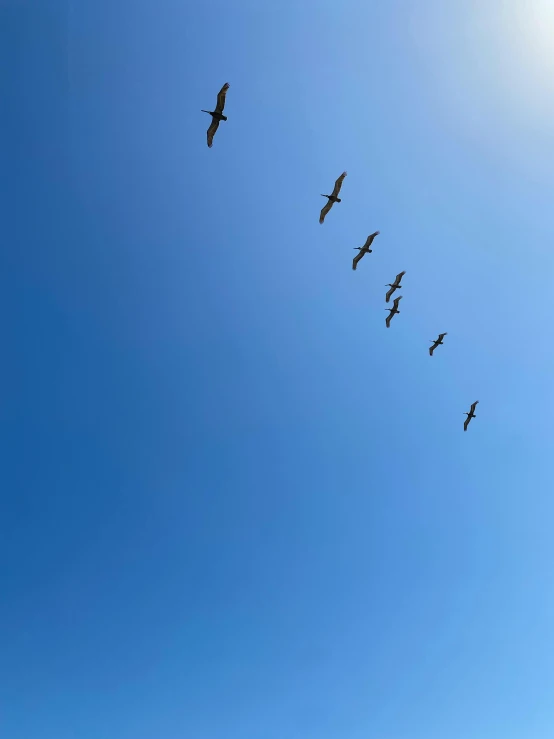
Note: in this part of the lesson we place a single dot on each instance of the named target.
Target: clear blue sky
(233, 504)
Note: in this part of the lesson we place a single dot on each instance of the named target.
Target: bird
(217, 114)
(470, 415)
(364, 249)
(394, 285)
(333, 198)
(393, 311)
(436, 343)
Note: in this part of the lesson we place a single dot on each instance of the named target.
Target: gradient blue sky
(234, 505)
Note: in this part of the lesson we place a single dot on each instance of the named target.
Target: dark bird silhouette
(436, 343)
(394, 285)
(217, 114)
(393, 311)
(470, 415)
(333, 198)
(364, 249)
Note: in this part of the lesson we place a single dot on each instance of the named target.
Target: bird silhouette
(393, 311)
(436, 343)
(333, 198)
(217, 114)
(470, 415)
(364, 249)
(394, 285)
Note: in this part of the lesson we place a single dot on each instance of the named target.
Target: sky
(233, 504)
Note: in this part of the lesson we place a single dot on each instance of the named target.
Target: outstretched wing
(432, 349)
(396, 301)
(221, 98)
(399, 276)
(390, 292)
(441, 336)
(338, 184)
(356, 259)
(473, 406)
(387, 321)
(370, 238)
(326, 208)
(211, 131)
(466, 423)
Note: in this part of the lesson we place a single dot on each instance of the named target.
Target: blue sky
(234, 504)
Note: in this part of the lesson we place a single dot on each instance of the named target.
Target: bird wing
(326, 208)
(396, 301)
(473, 405)
(432, 349)
(441, 336)
(211, 131)
(399, 276)
(370, 238)
(466, 423)
(338, 184)
(356, 259)
(387, 321)
(221, 98)
(390, 292)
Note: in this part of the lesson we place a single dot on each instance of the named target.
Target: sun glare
(535, 21)
(514, 55)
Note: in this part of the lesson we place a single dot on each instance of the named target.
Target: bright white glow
(535, 21)
(494, 62)
(524, 32)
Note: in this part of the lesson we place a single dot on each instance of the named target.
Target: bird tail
(223, 117)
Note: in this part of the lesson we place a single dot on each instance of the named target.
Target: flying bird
(436, 343)
(363, 249)
(333, 198)
(394, 285)
(470, 415)
(393, 311)
(217, 114)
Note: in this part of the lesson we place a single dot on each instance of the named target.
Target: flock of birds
(217, 117)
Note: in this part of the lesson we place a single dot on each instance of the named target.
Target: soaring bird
(333, 198)
(217, 114)
(470, 415)
(436, 343)
(363, 249)
(393, 311)
(394, 285)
